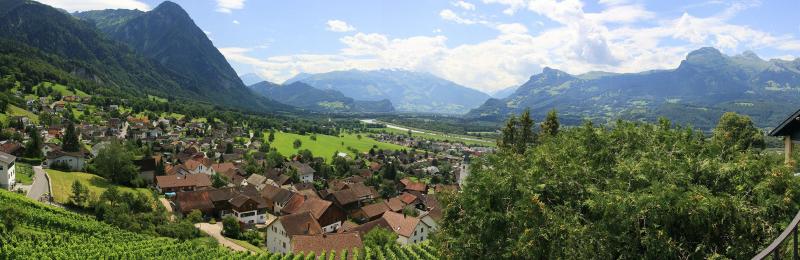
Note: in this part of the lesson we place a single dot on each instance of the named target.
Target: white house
(8, 175)
(281, 231)
(410, 230)
(304, 172)
(75, 161)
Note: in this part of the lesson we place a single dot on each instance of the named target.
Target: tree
(33, 148)
(195, 216)
(379, 237)
(525, 136)
(218, 181)
(230, 227)
(71, 143)
(274, 159)
(80, 194)
(390, 171)
(508, 134)
(550, 124)
(115, 162)
(297, 143)
(737, 132)
(271, 136)
(229, 148)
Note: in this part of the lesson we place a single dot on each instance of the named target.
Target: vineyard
(45, 232)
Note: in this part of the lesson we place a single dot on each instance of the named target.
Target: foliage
(80, 194)
(115, 162)
(297, 143)
(253, 237)
(33, 148)
(195, 216)
(550, 124)
(632, 191)
(70, 143)
(230, 227)
(380, 237)
(738, 133)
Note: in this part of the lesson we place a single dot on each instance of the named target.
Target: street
(40, 184)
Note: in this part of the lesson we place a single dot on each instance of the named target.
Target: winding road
(41, 185)
(215, 231)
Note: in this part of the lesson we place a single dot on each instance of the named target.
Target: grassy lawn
(62, 184)
(24, 173)
(431, 135)
(326, 145)
(248, 246)
(64, 90)
(13, 110)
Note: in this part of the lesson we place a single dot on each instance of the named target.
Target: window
(284, 244)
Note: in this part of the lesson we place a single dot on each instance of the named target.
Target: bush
(213, 221)
(253, 237)
(230, 227)
(195, 216)
(182, 230)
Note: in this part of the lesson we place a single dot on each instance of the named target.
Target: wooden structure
(790, 130)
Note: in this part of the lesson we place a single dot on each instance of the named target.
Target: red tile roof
(326, 242)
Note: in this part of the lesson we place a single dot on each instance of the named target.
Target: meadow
(62, 184)
(325, 145)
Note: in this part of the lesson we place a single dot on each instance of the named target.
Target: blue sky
(484, 44)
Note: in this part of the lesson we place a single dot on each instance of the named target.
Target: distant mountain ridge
(169, 36)
(408, 91)
(304, 96)
(697, 92)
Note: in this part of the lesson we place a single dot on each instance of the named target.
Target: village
(296, 203)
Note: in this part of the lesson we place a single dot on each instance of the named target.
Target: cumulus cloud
(464, 5)
(610, 39)
(86, 5)
(339, 26)
(235, 22)
(227, 6)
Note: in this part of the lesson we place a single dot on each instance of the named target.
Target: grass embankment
(248, 246)
(325, 145)
(62, 184)
(24, 173)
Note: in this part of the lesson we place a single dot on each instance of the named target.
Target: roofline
(785, 122)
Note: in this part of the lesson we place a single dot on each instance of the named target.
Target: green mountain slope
(706, 84)
(408, 91)
(168, 36)
(304, 96)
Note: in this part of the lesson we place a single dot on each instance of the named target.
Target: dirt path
(166, 204)
(40, 186)
(215, 231)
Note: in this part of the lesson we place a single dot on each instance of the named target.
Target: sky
(483, 44)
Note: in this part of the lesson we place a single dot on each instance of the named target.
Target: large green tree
(737, 132)
(115, 162)
(631, 191)
(71, 143)
(550, 124)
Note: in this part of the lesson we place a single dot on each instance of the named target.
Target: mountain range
(302, 95)
(705, 85)
(169, 37)
(408, 91)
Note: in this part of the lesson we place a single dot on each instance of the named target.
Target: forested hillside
(631, 191)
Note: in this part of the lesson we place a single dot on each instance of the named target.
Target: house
(304, 172)
(277, 197)
(372, 211)
(281, 231)
(409, 185)
(256, 180)
(186, 202)
(248, 209)
(8, 170)
(789, 129)
(202, 165)
(179, 182)
(74, 161)
(12, 147)
(326, 242)
(329, 216)
(410, 230)
(147, 167)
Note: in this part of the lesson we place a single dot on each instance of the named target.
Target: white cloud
(235, 22)
(620, 37)
(450, 15)
(437, 30)
(339, 26)
(86, 5)
(464, 5)
(227, 6)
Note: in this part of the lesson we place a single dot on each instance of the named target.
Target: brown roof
(374, 210)
(316, 206)
(302, 168)
(395, 204)
(294, 204)
(192, 180)
(347, 226)
(302, 223)
(401, 224)
(276, 194)
(407, 198)
(345, 197)
(222, 167)
(191, 200)
(415, 186)
(326, 242)
(367, 227)
(176, 170)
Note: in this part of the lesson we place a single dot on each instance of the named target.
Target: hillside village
(296, 203)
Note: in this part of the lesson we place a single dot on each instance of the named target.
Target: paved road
(215, 231)
(40, 184)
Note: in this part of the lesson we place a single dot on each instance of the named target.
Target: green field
(436, 136)
(326, 145)
(62, 184)
(64, 90)
(24, 173)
